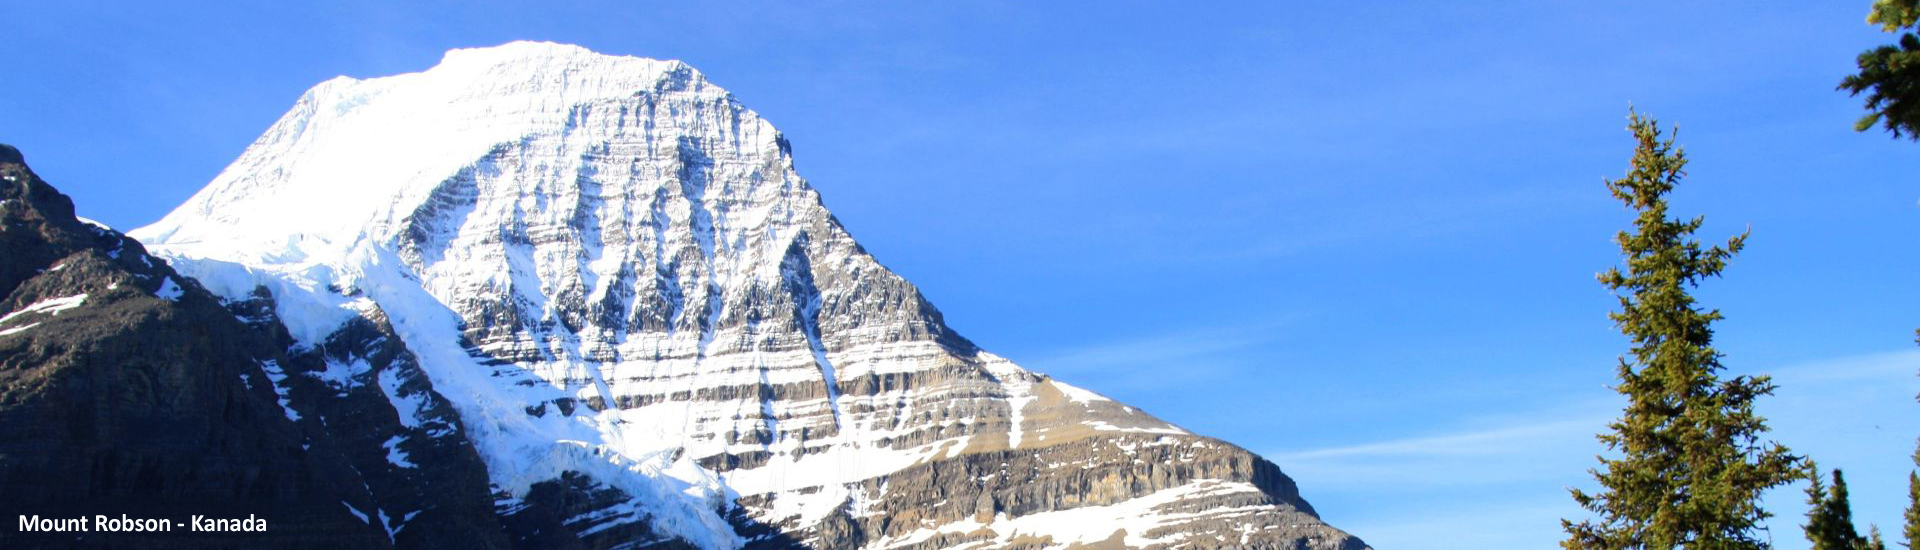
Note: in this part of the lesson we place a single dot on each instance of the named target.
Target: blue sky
(1359, 238)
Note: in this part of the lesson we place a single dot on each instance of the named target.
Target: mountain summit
(602, 276)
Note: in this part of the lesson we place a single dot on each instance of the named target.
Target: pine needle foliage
(1890, 74)
(1912, 530)
(1690, 466)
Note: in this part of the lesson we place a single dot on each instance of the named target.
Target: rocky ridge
(127, 388)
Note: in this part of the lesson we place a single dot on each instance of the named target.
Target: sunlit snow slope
(610, 268)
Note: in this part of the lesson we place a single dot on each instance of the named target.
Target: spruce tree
(1829, 516)
(1912, 531)
(1690, 465)
(1890, 74)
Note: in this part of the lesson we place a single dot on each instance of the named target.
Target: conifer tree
(1890, 74)
(1829, 516)
(1912, 531)
(1690, 465)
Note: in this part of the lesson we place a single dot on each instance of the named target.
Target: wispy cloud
(1888, 366)
(1544, 449)
(1490, 442)
(1469, 525)
(1162, 348)
(1501, 482)
(1200, 355)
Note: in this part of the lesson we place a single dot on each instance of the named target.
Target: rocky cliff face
(601, 280)
(127, 388)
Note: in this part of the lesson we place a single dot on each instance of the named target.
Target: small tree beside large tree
(1830, 516)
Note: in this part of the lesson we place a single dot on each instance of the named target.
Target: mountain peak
(351, 149)
(530, 59)
(522, 49)
(532, 50)
(612, 272)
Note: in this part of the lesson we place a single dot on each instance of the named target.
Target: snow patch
(356, 512)
(97, 226)
(1076, 394)
(1019, 385)
(50, 306)
(1102, 426)
(404, 520)
(386, 524)
(340, 375)
(407, 407)
(169, 290)
(396, 456)
(278, 378)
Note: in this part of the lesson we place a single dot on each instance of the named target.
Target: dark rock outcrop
(126, 388)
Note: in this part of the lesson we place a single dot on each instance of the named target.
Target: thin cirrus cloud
(1532, 450)
(1503, 482)
(1464, 525)
(1535, 444)
(1500, 483)
(1201, 355)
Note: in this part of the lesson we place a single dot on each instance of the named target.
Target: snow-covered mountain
(603, 275)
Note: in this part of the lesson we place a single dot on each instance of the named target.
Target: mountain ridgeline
(539, 297)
